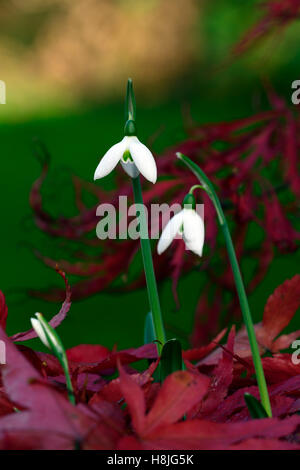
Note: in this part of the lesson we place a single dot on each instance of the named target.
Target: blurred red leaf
(47, 411)
(221, 379)
(279, 310)
(178, 394)
(84, 353)
(199, 353)
(278, 14)
(3, 311)
(127, 356)
(205, 435)
(56, 320)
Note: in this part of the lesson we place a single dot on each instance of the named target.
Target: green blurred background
(65, 64)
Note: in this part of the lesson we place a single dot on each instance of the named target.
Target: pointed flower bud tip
(130, 106)
(38, 328)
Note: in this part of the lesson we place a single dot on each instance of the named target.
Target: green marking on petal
(127, 157)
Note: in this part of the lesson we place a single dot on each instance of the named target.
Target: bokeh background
(65, 64)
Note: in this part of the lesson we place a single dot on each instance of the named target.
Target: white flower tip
(110, 159)
(169, 232)
(96, 177)
(149, 174)
(154, 178)
(99, 173)
(160, 248)
(36, 325)
(193, 232)
(198, 251)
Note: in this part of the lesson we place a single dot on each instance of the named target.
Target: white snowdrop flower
(135, 157)
(186, 223)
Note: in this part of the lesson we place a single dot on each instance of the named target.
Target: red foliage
(57, 319)
(3, 311)
(200, 408)
(278, 14)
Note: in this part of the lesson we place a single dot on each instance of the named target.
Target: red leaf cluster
(202, 407)
(278, 14)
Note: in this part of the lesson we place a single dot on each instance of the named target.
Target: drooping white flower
(132, 153)
(189, 225)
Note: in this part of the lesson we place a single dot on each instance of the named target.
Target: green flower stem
(264, 396)
(196, 186)
(208, 187)
(148, 267)
(64, 363)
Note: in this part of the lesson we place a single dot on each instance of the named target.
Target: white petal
(143, 159)
(110, 159)
(169, 232)
(40, 331)
(193, 231)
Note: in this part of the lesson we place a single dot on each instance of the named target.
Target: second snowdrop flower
(186, 223)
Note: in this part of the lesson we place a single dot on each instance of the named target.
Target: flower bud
(189, 202)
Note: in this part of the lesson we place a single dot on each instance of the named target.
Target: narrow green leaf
(254, 406)
(171, 358)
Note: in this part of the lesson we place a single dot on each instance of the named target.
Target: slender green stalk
(148, 266)
(196, 186)
(208, 187)
(264, 396)
(69, 384)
